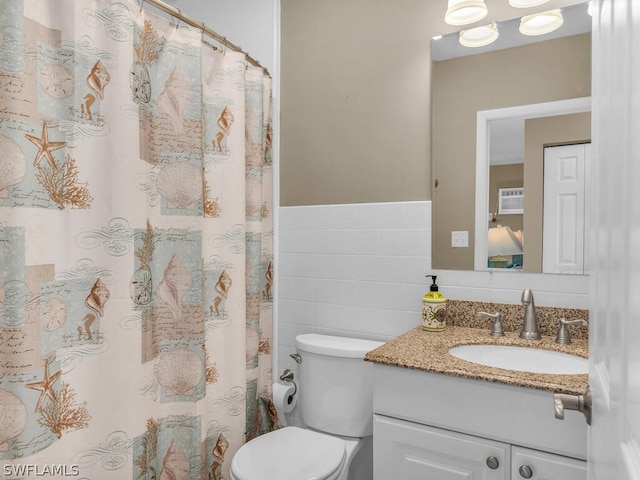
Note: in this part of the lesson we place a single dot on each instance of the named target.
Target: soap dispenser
(434, 308)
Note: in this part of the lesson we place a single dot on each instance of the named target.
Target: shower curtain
(135, 245)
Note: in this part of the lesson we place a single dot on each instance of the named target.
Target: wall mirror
(496, 110)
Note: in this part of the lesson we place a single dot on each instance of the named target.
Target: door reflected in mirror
(551, 163)
(553, 170)
(464, 88)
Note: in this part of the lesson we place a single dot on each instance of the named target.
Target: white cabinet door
(537, 465)
(409, 451)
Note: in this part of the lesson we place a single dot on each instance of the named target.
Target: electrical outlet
(460, 239)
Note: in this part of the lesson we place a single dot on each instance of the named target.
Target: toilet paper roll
(284, 398)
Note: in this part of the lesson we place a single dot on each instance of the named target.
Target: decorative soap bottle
(434, 308)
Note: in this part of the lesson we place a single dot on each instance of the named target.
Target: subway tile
(323, 290)
(578, 284)
(386, 322)
(286, 241)
(323, 217)
(366, 268)
(345, 267)
(392, 215)
(344, 217)
(368, 216)
(286, 311)
(285, 219)
(417, 215)
(417, 242)
(323, 241)
(415, 269)
(346, 317)
(323, 266)
(303, 265)
(541, 282)
(359, 270)
(323, 316)
(302, 217)
(302, 313)
(301, 330)
(285, 334)
(285, 264)
(303, 289)
(391, 269)
(411, 295)
(345, 242)
(511, 280)
(344, 292)
(466, 293)
(285, 288)
(574, 300)
(303, 241)
(372, 294)
(367, 242)
(507, 296)
(546, 299)
(392, 242)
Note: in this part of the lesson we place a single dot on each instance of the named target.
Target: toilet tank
(336, 384)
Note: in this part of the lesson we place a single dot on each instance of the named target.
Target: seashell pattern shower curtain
(135, 245)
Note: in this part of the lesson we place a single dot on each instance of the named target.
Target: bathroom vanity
(437, 416)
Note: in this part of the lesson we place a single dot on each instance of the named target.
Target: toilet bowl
(294, 453)
(337, 409)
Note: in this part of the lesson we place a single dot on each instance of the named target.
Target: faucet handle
(496, 329)
(564, 337)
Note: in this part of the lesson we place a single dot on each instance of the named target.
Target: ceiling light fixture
(479, 36)
(463, 12)
(541, 23)
(526, 3)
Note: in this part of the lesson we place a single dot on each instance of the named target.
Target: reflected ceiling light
(479, 36)
(463, 12)
(541, 23)
(526, 3)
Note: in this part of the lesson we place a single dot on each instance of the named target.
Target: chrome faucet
(530, 321)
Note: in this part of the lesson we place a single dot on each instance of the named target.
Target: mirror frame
(547, 109)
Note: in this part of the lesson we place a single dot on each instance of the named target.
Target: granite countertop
(429, 351)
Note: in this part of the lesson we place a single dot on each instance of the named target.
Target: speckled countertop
(429, 351)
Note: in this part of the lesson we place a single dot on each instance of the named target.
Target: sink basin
(522, 359)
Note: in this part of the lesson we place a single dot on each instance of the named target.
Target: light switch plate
(460, 239)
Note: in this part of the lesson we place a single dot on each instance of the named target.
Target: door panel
(565, 179)
(614, 435)
(410, 451)
(546, 466)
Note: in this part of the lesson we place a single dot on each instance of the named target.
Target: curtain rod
(176, 12)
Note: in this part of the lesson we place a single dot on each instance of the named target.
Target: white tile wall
(359, 270)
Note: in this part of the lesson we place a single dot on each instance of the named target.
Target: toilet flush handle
(296, 357)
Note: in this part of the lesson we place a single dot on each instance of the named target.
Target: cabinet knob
(525, 471)
(493, 462)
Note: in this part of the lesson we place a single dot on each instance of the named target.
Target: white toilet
(335, 396)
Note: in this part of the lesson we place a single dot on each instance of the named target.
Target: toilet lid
(290, 453)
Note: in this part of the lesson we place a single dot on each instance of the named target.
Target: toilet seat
(290, 453)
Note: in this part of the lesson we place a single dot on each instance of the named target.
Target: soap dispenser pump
(434, 308)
